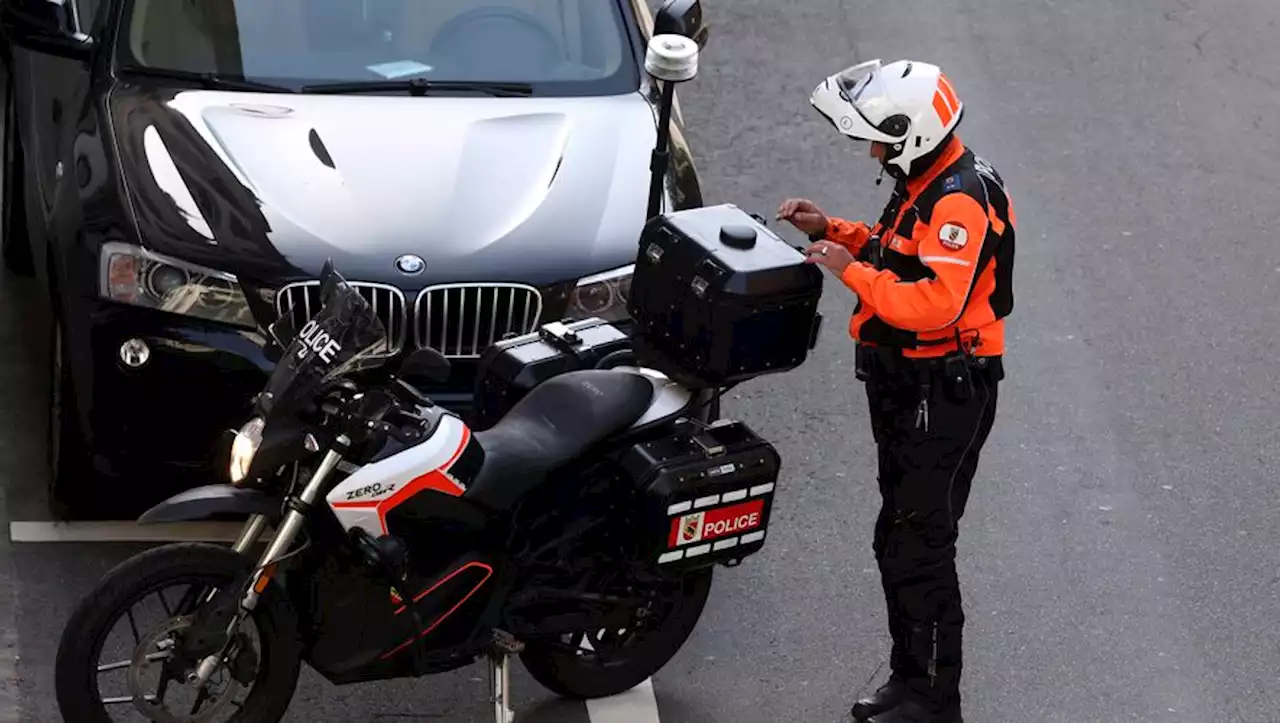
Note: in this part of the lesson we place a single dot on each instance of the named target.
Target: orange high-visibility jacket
(947, 266)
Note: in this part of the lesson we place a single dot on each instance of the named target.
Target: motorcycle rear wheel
(76, 670)
(609, 667)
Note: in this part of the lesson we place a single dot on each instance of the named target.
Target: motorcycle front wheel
(602, 663)
(192, 571)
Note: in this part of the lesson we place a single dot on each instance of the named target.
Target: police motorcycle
(389, 538)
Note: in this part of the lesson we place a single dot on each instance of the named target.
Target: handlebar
(379, 410)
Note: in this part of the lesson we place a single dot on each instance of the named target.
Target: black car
(178, 172)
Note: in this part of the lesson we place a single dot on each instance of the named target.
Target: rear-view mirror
(682, 17)
(46, 26)
(428, 364)
(280, 334)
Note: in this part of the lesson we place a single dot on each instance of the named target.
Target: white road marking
(637, 705)
(10, 711)
(125, 531)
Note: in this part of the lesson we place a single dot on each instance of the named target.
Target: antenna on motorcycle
(672, 58)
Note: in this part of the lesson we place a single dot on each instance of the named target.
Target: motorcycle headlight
(602, 295)
(244, 447)
(134, 275)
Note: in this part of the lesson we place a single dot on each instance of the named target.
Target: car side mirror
(682, 17)
(280, 334)
(428, 363)
(46, 26)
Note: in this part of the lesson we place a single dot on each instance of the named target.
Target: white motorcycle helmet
(909, 106)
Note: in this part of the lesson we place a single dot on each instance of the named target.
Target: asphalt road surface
(1119, 556)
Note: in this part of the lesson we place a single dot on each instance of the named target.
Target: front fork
(280, 543)
(500, 651)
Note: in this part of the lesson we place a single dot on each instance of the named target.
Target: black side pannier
(510, 368)
(707, 493)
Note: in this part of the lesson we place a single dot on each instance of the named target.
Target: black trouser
(926, 465)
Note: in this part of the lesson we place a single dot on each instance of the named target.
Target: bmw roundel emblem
(411, 264)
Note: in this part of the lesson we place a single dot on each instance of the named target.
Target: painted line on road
(125, 531)
(10, 696)
(638, 705)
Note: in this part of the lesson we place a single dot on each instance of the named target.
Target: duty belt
(890, 361)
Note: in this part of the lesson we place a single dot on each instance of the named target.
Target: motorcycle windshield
(343, 337)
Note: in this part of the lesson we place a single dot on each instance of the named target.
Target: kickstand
(504, 646)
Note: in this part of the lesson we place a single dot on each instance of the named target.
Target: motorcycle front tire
(130, 582)
(571, 676)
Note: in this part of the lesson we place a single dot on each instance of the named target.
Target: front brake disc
(142, 662)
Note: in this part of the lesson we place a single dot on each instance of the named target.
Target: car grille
(462, 320)
(458, 320)
(302, 300)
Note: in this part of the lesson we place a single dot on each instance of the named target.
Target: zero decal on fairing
(366, 497)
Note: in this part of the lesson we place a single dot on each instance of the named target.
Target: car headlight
(244, 447)
(134, 275)
(602, 295)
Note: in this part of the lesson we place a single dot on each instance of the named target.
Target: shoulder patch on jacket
(953, 236)
(952, 183)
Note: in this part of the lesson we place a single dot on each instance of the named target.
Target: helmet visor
(863, 87)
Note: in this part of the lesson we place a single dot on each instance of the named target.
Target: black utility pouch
(958, 376)
(862, 362)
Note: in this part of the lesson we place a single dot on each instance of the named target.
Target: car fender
(201, 503)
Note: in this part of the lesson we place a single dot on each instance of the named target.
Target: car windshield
(560, 47)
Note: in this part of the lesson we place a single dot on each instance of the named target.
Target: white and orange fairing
(365, 498)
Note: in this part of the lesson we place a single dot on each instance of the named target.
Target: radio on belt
(707, 492)
(717, 298)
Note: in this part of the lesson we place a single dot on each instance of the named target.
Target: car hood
(270, 186)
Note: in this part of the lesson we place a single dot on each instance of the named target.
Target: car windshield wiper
(422, 86)
(212, 81)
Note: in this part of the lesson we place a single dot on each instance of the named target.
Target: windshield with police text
(344, 336)
(560, 47)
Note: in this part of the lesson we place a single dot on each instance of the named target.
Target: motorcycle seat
(556, 422)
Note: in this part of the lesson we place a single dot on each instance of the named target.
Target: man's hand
(804, 215)
(833, 256)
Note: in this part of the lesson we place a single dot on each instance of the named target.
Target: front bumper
(167, 423)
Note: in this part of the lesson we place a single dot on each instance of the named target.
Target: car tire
(14, 237)
(72, 492)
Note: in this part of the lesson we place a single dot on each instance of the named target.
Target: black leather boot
(913, 711)
(889, 696)
(892, 692)
(934, 697)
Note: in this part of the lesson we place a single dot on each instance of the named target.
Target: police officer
(933, 283)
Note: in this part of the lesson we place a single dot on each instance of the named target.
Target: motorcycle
(579, 533)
